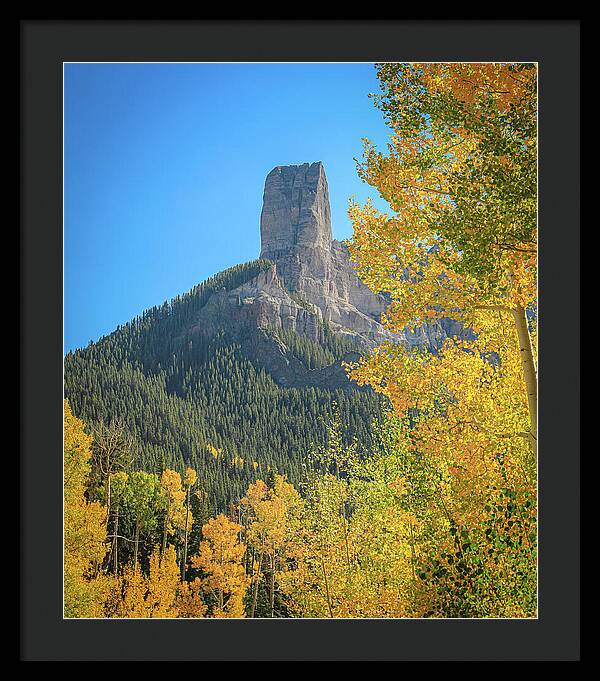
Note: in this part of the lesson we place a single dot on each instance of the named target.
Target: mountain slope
(240, 376)
(196, 398)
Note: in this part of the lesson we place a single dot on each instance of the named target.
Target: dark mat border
(44, 46)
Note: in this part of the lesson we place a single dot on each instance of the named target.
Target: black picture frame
(45, 636)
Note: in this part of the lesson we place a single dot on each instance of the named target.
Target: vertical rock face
(295, 210)
(295, 229)
(312, 279)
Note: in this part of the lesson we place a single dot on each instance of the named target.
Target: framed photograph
(294, 371)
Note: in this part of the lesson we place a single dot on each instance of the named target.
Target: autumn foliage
(439, 517)
(84, 523)
(461, 242)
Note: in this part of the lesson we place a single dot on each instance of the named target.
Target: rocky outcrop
(295, 212)
(262, 302)
(311, 284)
(295, 229)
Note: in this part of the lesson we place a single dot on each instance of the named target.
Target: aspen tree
(173, 497)
(460, 179)
(220, 558)
(189, 481)
(84, 526)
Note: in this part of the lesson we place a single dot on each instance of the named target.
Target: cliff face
(311, 281)
(295, 229)
(295, 212)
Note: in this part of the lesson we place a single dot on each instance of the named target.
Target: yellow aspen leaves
(220, 560)
(173, 496)
(84, 527)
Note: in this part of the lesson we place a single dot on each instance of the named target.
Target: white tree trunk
(529, 371)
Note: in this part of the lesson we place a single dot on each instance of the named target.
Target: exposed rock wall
(295, 230)
(312, 281)
(295, 212)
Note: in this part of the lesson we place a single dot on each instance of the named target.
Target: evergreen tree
(182, 398)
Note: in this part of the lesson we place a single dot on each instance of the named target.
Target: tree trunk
(529, 371)
(221, 594)
(185, 541)
(137, 541)
(346, 534)
(413, 559)
(326, 587)
(164, 544)
(257, 579)
(107, 495)
(273, 584)
(116, 544)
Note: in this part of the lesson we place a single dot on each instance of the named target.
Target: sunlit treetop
(460, 174)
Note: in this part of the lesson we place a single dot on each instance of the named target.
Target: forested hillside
(199, 484)
(191, 400)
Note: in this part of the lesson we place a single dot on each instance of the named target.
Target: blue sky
(165, 167)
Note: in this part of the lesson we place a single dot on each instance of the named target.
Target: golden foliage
(273, 515)
(460, 176)
(158, 594)
(84, 527)
(439, 520)
(220, 560)
(173, 496)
